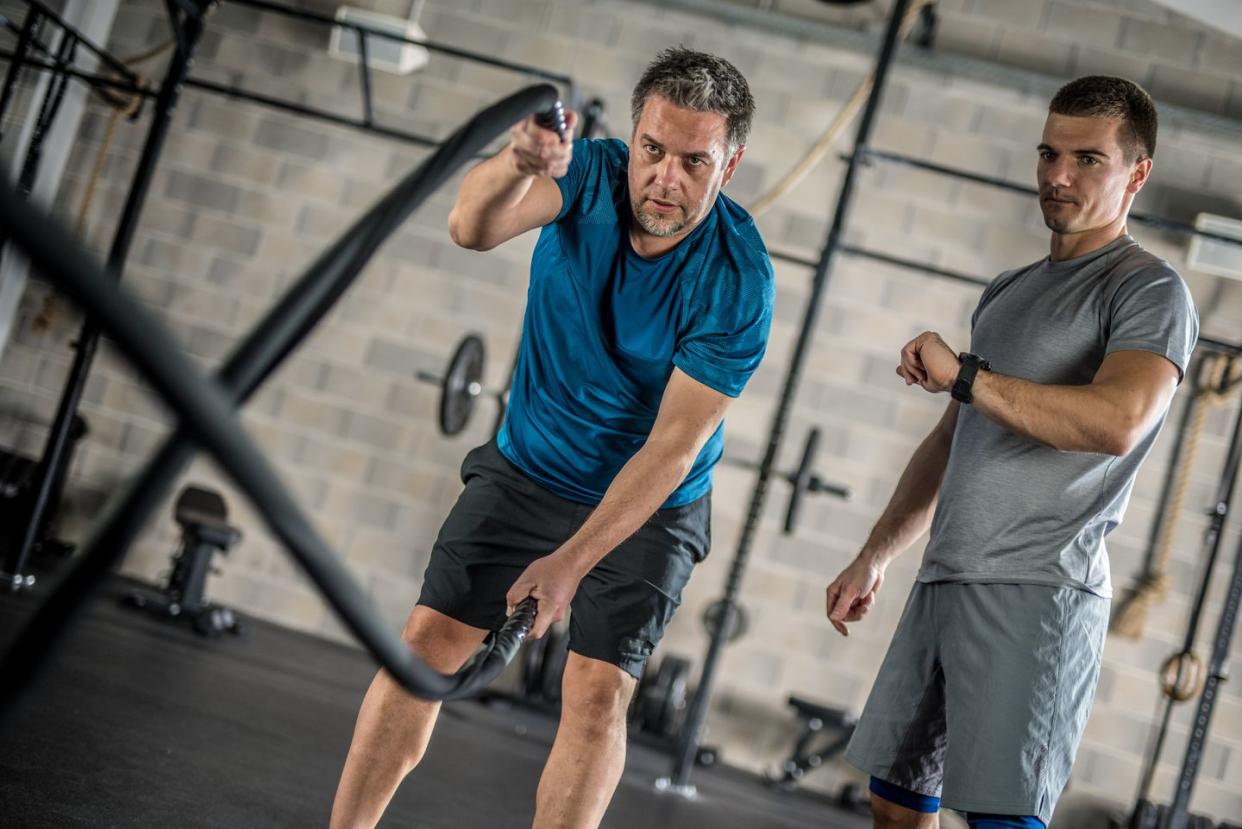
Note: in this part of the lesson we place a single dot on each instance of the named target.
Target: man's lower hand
(552, 581)
(852, 594)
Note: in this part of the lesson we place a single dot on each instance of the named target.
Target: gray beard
(657, 226)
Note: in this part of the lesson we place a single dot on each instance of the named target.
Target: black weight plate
(554, 664)
(665, 699)
(713, 614)
(464, 372)
(707, 756)
(634, 714)
(534, 652)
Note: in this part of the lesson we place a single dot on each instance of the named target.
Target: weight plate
(554, 661)
(460, 387)
(665, 699)
(634, 714)
(534, 652)
(713, 615)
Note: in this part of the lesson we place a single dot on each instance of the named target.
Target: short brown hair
(698, 81)
(1101, 96)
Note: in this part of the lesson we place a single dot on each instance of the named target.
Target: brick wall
(245, 197)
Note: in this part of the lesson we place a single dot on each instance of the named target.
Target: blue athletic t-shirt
(604, 328)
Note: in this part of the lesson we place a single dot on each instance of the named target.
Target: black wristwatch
(972, 364)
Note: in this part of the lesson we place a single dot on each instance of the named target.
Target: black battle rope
(207, 409)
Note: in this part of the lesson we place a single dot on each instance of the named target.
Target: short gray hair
(698, 81)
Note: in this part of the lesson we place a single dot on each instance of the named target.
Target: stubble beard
(660, 226)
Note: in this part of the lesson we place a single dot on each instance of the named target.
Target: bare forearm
(492, 188)
(638, 490)
(909, 512)
(1083, 418)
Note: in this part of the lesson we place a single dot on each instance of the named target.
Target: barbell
(461, 385)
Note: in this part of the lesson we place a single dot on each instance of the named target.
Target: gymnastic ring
(1181, 676)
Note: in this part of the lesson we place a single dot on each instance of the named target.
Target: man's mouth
(662, 206)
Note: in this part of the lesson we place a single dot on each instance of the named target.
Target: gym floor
(137, 722)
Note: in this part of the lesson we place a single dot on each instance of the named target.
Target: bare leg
(888, 815)
(393, 728)
(589, 753)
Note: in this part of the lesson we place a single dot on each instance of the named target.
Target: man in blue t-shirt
(649, 307)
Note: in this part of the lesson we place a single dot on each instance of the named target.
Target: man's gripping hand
(552, 581)
(536, 151)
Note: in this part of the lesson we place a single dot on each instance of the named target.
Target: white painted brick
(1169, 43)
(1220, 54)
(1015, 14)
(1094, 59)
(1035, 52)
(925, 185)
(1189, 87)
(965, 34)
(1082, 24)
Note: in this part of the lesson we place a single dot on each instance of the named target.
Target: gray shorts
(984, 694)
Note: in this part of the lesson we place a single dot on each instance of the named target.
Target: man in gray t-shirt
(983, 696)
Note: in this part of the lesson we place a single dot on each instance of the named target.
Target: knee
(442, 642)
(595, 696)
(890, 815)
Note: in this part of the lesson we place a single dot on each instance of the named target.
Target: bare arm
(909, 512)
(1110, 415)
(689, 414)
(907, 516)
(513, 191)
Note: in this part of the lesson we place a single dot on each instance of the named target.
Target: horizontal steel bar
(115, 63)
(1001, 184)
(89, 77)
(233, 91)
(431, 46)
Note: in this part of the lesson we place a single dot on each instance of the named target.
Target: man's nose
(666, 173)
(1059, 173)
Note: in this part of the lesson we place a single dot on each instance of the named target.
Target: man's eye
(1046, 155)
(652, 149)
(695, 161)
(1089, 161)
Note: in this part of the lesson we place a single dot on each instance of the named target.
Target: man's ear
(1139, 176)
(731, 164)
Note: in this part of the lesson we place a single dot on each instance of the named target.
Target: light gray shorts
(984, 694)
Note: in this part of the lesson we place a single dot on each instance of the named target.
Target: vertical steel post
(53, 96)
(364, 70)
(190, 28)
(1178, 811)
(30, 30)
(691, 733)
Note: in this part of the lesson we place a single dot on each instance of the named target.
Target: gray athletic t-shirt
(1016, 511)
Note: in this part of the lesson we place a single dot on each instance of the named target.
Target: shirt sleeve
(730, 319)
(989, 293)
(585, 158)
(1152, 310)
